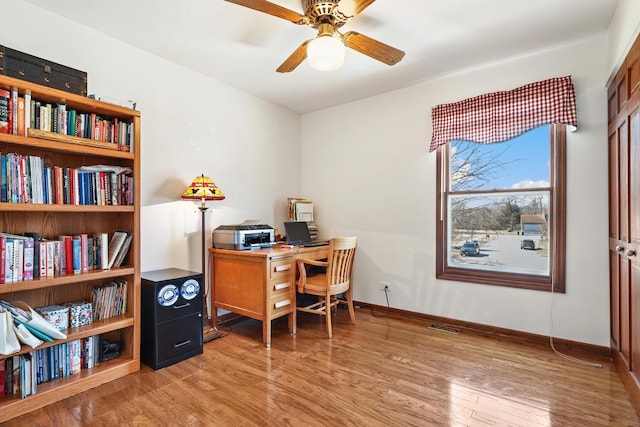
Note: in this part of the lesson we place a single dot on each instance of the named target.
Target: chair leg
(327, 309)
(352, 313)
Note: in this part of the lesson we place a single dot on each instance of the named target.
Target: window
(501, 211)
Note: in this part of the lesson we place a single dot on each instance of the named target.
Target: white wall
(191, 124)
(381, 187)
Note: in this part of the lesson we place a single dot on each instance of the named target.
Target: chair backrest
(342, 251)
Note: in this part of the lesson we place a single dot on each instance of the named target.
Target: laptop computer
(298, 234)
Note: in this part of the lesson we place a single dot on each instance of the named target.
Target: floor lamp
(203, 189)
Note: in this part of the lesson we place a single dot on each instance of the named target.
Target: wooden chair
(335, 280)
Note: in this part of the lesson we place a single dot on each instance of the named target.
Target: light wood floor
(380, 372)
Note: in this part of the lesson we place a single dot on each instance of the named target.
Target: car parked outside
(528, 244)
(470, 248)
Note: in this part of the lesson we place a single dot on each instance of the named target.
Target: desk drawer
(282, 268)
(279, 287)
(180, 338)
(280, 306)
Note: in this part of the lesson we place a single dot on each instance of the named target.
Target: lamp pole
(205, 321)
(209, 331)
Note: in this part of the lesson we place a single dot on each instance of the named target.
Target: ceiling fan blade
(352, 8)
(295, 59)
(373, 48)
(273, 9)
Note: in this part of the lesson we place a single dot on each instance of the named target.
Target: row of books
(29, 256)
(18, 113)
(21, 374)
(109, 300)
(26, 179)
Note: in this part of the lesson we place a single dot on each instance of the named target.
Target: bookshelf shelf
(49, 393)
(33, 207)
(53, 220)
(96, 328)
(66, 139)
(62, 144)
(67, 279)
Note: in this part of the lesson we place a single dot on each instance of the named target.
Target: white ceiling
(242, 47)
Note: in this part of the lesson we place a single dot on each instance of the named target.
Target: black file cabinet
(171, 316)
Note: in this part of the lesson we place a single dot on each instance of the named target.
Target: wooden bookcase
(51, 220)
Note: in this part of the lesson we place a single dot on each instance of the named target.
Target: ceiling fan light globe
(326, 53)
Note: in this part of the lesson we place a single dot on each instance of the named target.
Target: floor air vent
(444, 329)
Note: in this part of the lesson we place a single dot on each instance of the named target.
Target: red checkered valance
(500, 116)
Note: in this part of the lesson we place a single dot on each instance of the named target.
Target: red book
(57, 187)
(68, 253)
(100, 136)
(3, 374)
(103, 189)
(72, 186)
(5, 102)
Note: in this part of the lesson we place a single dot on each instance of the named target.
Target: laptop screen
(297, 232)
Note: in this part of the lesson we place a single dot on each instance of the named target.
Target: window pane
(501, 232)
(522, 162)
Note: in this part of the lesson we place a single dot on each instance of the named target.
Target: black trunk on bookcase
(24, 66)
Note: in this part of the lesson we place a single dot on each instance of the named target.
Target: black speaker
(171, 308)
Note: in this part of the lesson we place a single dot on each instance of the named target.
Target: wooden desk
(258, 283)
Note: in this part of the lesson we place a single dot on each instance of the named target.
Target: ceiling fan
(326, 51)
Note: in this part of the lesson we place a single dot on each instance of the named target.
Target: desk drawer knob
(283, 267)
(282, 303)
(281, 286)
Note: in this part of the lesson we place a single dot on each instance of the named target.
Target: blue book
(77, 255)
(46, 194)
(84, 188)
(53, 359)
(40, 375)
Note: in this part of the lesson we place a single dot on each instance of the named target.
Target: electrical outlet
(385, 286)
